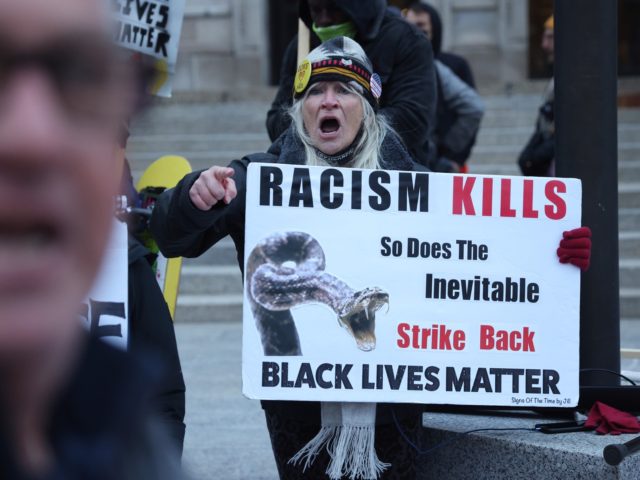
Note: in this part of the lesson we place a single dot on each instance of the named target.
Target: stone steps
(519, 135)
(630, 303)
(490, 140)
(628, 218)
(629, 245)
(211, 280)
(168, 117)
(630, 273)
(493, 160)
(628, 171)
(200, 309)
(514, 137)
(198, 143)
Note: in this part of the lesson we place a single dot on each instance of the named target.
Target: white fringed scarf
(348, 434)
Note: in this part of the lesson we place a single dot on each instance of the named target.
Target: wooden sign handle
(303, 41)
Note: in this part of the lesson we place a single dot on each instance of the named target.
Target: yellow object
(166, 172)
(548, 24)
(161, 68)
(302, 76)
(304, 41)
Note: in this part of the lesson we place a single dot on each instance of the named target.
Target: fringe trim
(351, 449)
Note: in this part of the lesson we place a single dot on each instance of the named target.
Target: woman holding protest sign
(334, 123)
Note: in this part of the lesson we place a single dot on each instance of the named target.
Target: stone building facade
(226, 43)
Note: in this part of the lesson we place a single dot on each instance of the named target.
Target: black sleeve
(466, 75)
(277, 118)
(409, 97)
(182, 230)
(460, 67)
(152, 330)
(537, 155)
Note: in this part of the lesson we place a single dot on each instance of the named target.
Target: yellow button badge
(302, 76)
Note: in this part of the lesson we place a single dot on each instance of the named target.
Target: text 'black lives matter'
(146, 24)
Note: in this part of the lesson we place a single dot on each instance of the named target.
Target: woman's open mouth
(329, 127)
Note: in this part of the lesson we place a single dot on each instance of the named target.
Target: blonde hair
(368, 149)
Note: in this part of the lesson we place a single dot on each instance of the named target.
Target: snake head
(358, 316)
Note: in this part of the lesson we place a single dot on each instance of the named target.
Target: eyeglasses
(92, 81)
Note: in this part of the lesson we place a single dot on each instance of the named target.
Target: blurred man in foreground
(70, 407)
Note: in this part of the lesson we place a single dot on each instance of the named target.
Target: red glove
(606, 419)
(575, 247)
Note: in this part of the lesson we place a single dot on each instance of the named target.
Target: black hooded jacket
(400, 54)
(150, 323)
(456, 63)
(151, 329)
(445, 117)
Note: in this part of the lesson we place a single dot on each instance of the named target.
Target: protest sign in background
(480, 311)
(152, 28)
(107, 307)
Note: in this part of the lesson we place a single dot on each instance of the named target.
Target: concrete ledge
(516, 454)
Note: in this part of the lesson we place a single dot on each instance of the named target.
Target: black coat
(101, 426)
(181, 229)
(456, 63)
(537, 157)
(400, 54)
(151, 328)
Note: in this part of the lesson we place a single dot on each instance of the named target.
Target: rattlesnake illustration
(287, 269)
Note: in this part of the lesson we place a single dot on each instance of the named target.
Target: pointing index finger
(223, 173)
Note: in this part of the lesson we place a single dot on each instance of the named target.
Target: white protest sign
(459, 295)
(151, 27)
(107, 308)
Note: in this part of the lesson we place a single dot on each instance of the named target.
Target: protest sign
(152, 28)
(386, 286)
(105, 313)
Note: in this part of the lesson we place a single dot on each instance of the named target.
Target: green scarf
(346, 29)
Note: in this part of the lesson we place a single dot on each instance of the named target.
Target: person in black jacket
(150, 324)
(400, 54)
(538, 156)
(459, 107)
(151, 329)
(70, 407)
(427, 19)
(334, 122)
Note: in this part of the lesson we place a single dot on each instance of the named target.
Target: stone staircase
(213, 133)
